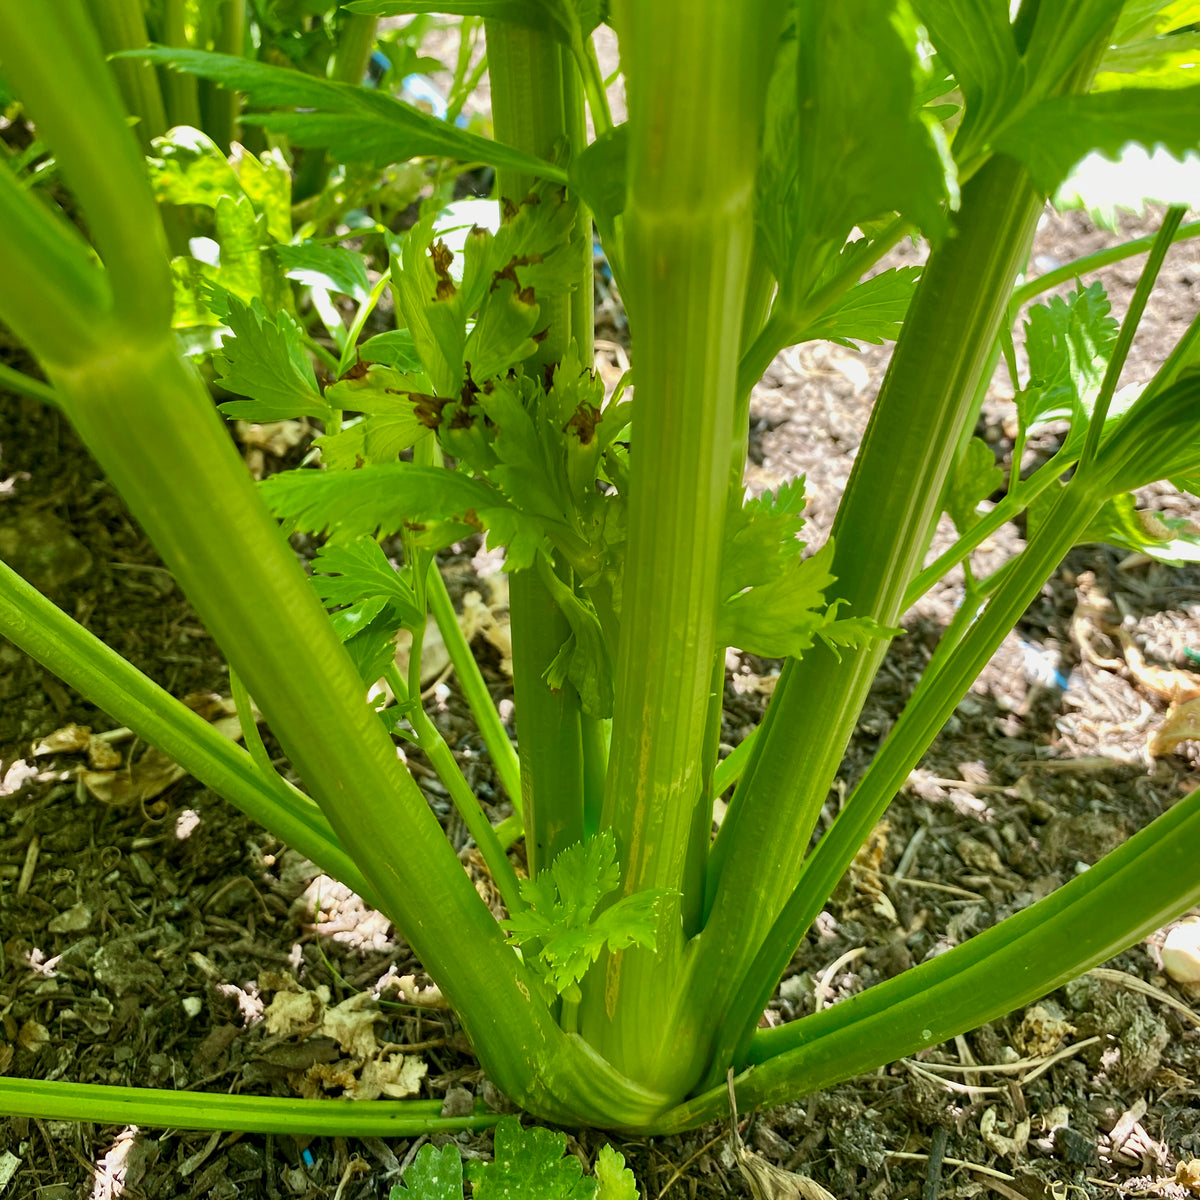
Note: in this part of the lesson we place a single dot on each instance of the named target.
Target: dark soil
(142, 941)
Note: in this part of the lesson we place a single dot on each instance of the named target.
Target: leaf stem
(442, 759)
(1129, 326)
(475, 691)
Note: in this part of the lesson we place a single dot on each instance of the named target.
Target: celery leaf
(529, 1164)
(368, 631)
(761, 538)
(871, 311)
(614, 1177)
(975, 38)
(976, 476)
(781, 617)
(434, 507)
(1068, 343)
(331, 267)
(1121, 523)
(435, 1174)
(844, 102)
(347, 572)
(359, 124)
(265, 359)
(1053, 135)
(562, 914)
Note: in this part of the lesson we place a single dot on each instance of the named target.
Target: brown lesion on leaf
(471, 517)
(509, 272)
(428, 409)
(415, 526)
(442, 256)
(358, 371)
(584, 422)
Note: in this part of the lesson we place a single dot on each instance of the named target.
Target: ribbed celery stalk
(219, 105)
(180, 91)
(881, 533)
(121, 25)
(536, 107)
(688, 243)
(881, 530)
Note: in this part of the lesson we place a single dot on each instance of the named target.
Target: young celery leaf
(347, 572)
(245, 269)
(871, 311)
(614, 1177)
(976, 476)
(780, 617)
(368, 631)
(393, 422)
(529, 1164)
(584, 658)
(761, 538)
(435, 1174)
(1165, 539)
(331, 267)
(187, 167)
(363, 125)
(844, 100)
(562, 914)
(975, 38)
(432, 306)
(393, 348)
(1068, 343)
(267, 180)
(265, 360)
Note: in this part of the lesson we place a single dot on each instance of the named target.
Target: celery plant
(739, 219)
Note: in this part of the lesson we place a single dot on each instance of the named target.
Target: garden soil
(146, 932)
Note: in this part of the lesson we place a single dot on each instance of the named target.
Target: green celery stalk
(881, 530)
(688, 240)
(536, 107)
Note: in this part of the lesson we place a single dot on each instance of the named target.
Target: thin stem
(593, 86)
(442, 759)
(180, 91)
(535, 107)
(26, 385)
(121, 25)
(1120, 351)
(251, 738)
(1095, 262)
(1006, 509)
(360, 319)
(220, 105)
(174, 1109)
(475, 690)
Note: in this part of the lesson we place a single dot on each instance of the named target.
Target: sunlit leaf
(265, 360)
(332, 267)
(1059, 131)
